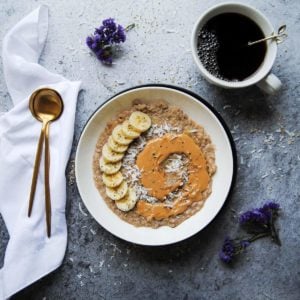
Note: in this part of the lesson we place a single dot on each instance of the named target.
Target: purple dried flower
(105, 38)
(259, 216)
(109, 24)
(253, 216)
(270, 207)
(89, 41)
(260, 223)
(104, 55)
(119, 36)
(227, 252)
(232, 248)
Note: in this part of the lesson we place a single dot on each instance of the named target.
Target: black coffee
(223, 50)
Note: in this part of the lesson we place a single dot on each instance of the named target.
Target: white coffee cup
(262, 77)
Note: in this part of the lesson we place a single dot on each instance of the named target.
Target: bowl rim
(198, 98)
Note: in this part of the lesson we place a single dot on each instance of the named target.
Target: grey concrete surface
(266, 131)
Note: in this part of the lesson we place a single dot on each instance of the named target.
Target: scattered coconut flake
(115, 248)
(170, 31)
(265, 175)
(191, 130)
(289, 133)
(269, 139)
(71, 172)
(226, 106)
(93, 231)
(242, 160)
(81, 210)
(101, 263)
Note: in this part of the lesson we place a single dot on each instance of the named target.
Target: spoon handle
(47, 185)
(36, 169)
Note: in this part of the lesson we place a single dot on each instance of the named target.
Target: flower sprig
(258, 223)
(105, 39)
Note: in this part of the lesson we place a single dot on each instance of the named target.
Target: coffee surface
(223, 50)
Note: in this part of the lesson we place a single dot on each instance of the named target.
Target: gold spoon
(278, 38)
(46, 105)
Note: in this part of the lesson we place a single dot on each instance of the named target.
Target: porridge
(153, 165)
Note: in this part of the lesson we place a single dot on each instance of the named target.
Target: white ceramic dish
(199, 111)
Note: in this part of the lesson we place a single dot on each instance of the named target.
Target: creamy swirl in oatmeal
(170, 166)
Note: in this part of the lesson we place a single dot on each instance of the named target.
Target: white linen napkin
(30, 254)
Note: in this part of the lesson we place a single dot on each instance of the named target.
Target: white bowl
(198, 110)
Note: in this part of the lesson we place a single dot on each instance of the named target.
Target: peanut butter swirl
(154, 178)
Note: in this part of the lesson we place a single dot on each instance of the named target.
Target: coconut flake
(174, 164)
(81, 210)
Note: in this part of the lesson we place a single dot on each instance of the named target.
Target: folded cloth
(30, 254)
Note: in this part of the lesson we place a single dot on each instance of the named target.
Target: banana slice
(118, 192)
(114, 146)
(109, 168)
(129, 131)
(128, 202)
(119, 136)
(139, 121)
(112, 181)
(111, 156)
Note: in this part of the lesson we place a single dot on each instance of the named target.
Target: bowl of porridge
(155, 164)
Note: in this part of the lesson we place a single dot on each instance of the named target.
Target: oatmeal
(167, 167)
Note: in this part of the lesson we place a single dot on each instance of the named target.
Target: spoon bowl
(46, 104)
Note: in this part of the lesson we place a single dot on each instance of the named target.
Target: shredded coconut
(175, 164)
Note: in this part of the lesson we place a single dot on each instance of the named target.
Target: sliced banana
(129, 131)
(118, 192)
(128, 202)
(119, 136)
(109, 168)
(115, 146)
(140, 121)
(113, 180)
(111, 156)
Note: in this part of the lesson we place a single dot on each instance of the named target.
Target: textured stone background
(266, 130)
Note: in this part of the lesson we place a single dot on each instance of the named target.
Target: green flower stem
(274, 233)
(129, 27)
(258, 236)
